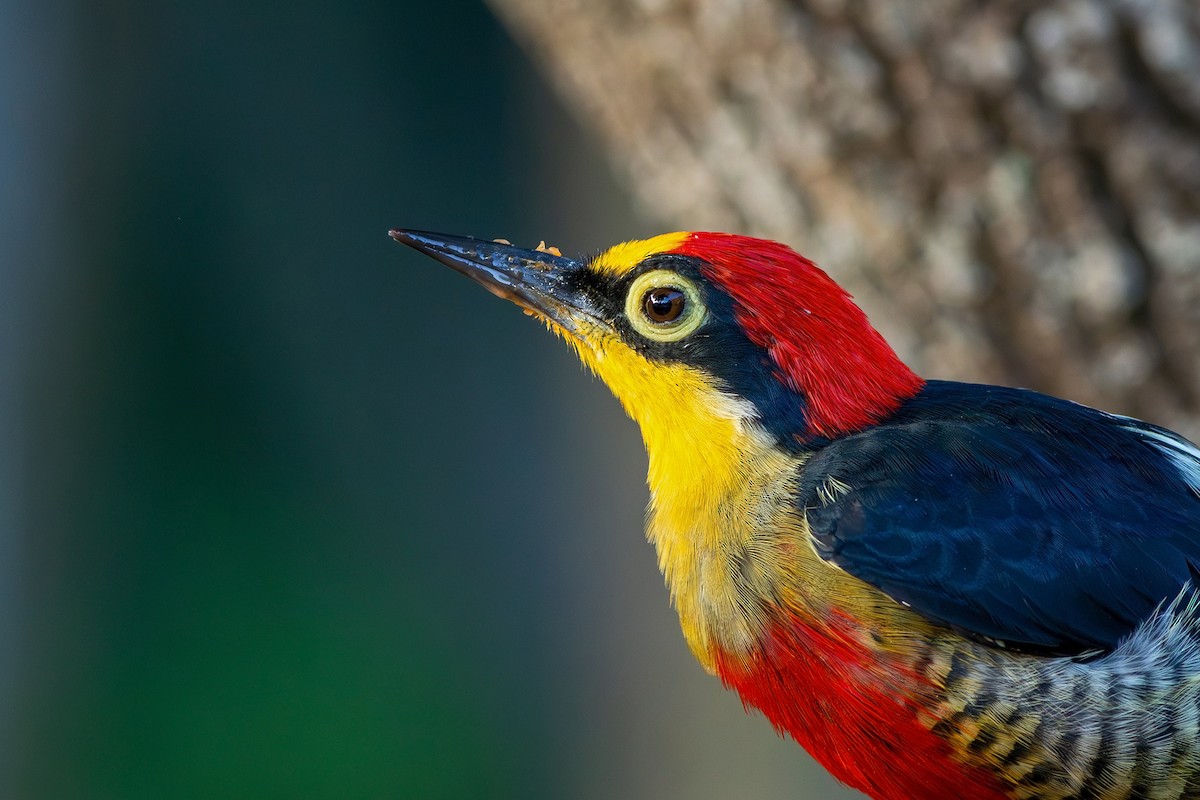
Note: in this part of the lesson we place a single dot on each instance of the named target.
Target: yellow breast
(731, 544)
(715, 479)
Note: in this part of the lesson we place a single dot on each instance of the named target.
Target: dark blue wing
(1011, 516)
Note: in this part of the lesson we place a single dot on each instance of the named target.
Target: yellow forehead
(619, 259)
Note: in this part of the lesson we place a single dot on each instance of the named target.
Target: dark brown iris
(664, 304)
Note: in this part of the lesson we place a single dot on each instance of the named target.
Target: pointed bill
(536, 280)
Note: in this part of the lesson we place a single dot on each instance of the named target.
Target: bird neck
(716, 480)
(722, 515)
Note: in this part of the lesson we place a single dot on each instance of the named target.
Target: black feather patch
(719, 348)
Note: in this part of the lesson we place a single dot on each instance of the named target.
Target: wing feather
(1012, 516)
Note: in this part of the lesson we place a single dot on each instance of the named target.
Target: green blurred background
(285, 510)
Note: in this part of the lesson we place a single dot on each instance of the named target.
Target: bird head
(736, 357)
(727, 327)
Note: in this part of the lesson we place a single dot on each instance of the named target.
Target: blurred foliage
(238, 588)
(301, 515)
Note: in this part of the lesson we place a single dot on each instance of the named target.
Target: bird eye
(663, 304)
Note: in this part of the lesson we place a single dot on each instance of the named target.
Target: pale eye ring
(664, 306)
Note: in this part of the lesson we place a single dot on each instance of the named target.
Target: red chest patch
(818, 688)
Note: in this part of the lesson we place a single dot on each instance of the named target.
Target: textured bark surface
(1011, 189)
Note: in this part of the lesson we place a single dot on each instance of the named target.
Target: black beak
(533, 279)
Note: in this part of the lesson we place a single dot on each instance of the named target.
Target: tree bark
(1011, 189)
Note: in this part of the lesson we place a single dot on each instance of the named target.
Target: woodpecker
(938, 589)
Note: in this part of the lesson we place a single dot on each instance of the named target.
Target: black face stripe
(719, 347)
